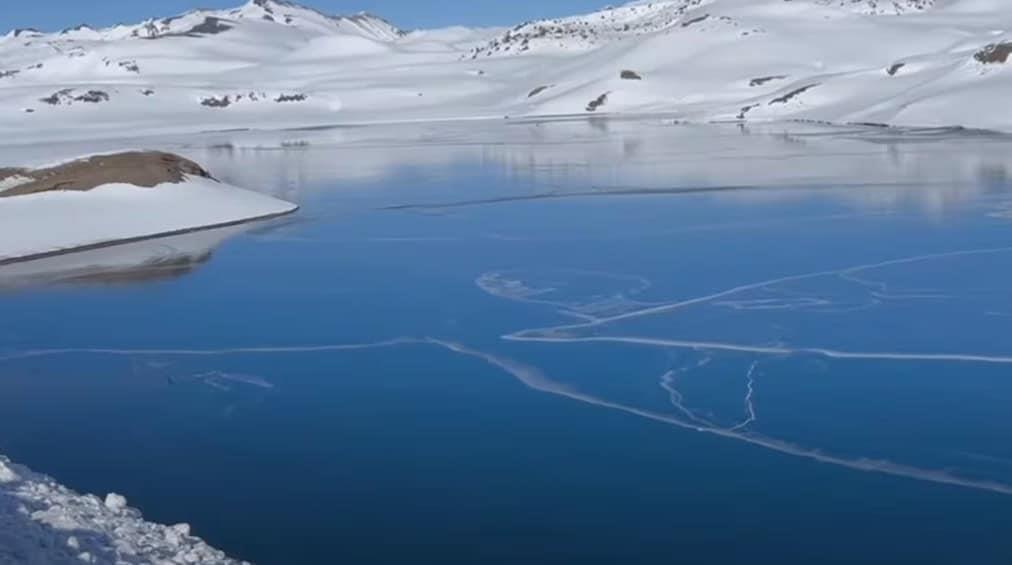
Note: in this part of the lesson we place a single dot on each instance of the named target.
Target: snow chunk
(115, 502)
(7, 475)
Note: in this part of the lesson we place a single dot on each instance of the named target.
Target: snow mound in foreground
(43, 522)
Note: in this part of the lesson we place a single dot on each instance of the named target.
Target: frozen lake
(590, 342)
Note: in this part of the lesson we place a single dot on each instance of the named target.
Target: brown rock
(140, 168)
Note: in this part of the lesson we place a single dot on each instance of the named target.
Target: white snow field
(46, 223)
(271, 64)
(44, 523)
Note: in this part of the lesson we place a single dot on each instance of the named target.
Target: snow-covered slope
(37, 225)
(275, 64)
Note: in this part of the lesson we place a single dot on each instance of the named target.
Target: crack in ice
(533, 378)
(749, 399)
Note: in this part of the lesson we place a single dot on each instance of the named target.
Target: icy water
(549, 343)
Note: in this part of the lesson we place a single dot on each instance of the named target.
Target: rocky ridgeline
(588, 31)
(879, 7)
(204, 23)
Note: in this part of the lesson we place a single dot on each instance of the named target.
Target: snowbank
(43, 522)
(57, 221)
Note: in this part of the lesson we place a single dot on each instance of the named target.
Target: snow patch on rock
(13, 181)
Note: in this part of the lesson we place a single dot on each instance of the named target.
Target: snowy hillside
(271, 64)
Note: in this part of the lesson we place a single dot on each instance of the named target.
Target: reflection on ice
(131, 263)
(939, 168)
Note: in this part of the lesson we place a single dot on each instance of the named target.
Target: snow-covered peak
(642, 17)
(589, 30)
(22, 33)
(200, 23)
(292, 14)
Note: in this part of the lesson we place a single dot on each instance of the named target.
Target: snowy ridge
(43, 522)
(210, 22)
(587, 31)
(881, 7)
(270, 64)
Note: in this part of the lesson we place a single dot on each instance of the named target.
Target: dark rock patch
(8, 74)
(630, 75)
(291, 98)
(596, 103)
(150, 30)
(57, 97)
(212, 102)
(92, 97)
(895, 68)
(994, 53)
(537, 91)
(66, 96)
(697, 20)
(147, 92)
(792, 94)
(146, 169)
(759, 81)
(745, 110)
(210, 26)
(80, 27)
(130, 66)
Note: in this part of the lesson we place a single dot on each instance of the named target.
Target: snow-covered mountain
(211, 22)
(271, 63)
